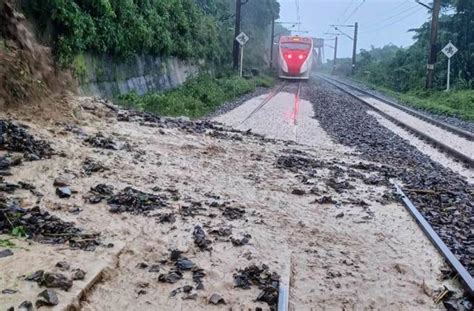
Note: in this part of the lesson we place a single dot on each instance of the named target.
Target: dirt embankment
(27, 69)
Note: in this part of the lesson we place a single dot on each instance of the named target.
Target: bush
(196, 98)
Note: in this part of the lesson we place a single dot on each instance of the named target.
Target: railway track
(456, 142)
(276, 91)
(368, 98)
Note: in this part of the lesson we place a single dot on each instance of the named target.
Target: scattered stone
(261, 277)
(43, 227)
(240, 242)
(200, 239)
(78, 274)
(198, 275)
(184, 264)
(48, 297)
(216, 299)
(25, 306)
(61, 182)
(63, 192)
(9, 291)
(340, 215)
(100, 192)
(166, 218)
(6, 253)
(90, 166)
(63, 265)
(298, 191)
(325, 200)
(154, 268)
(36, 276)
(187, 288)
(172, 277)
(135, 201)
(15, 138)
(56, 280)
(233, 213)
(190, 297)
(100, 141)
(222, 232)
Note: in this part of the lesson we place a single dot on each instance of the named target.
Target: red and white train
(296, 57)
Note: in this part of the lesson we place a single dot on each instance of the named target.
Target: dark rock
(36, 276)
(154, 268)
(61, 182)
(216, 299)
(261, 277)
(48, 297)
(172, 277)
(223, 232)
(90, 166)
(240, 242)
(340, 215)
(25, 306)
(15, 138)
(100, 192)
(166, 217)
(187, 288)
(100, 141)
(200, 238)
(297, 191)
(8, 291)
(135, 201)
(78, 274)
(6, 253)
(233, 213)
(190, 297)
(56, 280)
(184, 264)
(63, 192)
(63, 265)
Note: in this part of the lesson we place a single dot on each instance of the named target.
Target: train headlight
(289, 56)
(300, 56)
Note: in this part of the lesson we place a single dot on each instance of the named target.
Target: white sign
(449, 50)
(242, 38)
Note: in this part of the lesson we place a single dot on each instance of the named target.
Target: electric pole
(235, 51)
(335, 57)
(271, 41)
(354, 49)
(433, 50)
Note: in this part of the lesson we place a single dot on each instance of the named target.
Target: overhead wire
(392, 23)
(382, 21)
(354, 11)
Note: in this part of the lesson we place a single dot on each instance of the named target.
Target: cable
(354, 11)
(345, 11)
(382, 21)
(393, 23)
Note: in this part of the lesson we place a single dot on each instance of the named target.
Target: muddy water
(371, 257)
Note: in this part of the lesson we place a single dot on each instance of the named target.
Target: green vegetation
(199, 29)
(197, 97)
(7, 243)
(456, 103)
(401, 71)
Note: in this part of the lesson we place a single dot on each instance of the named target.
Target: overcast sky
(380, 21)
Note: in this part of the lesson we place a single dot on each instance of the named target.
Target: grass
(197, 97)
(455, 103)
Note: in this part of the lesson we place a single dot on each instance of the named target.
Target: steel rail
(451, 151)
(264, 102)
(453, 262)
(458, 131)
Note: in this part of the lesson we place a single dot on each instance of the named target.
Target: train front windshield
(295, 46)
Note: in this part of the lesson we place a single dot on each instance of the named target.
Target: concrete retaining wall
(109, 77)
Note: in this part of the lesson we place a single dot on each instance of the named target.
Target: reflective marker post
(241, 60)
(449, 50)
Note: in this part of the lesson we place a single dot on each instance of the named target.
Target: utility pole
(354, 49)
(335, 57)
(433, 46)
(236, 48)
(235, 51)
(271, 41)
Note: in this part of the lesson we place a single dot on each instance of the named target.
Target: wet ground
(168, 214)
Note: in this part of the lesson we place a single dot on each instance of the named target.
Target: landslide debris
(39, 225)
(260, 276)
(136, 202)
